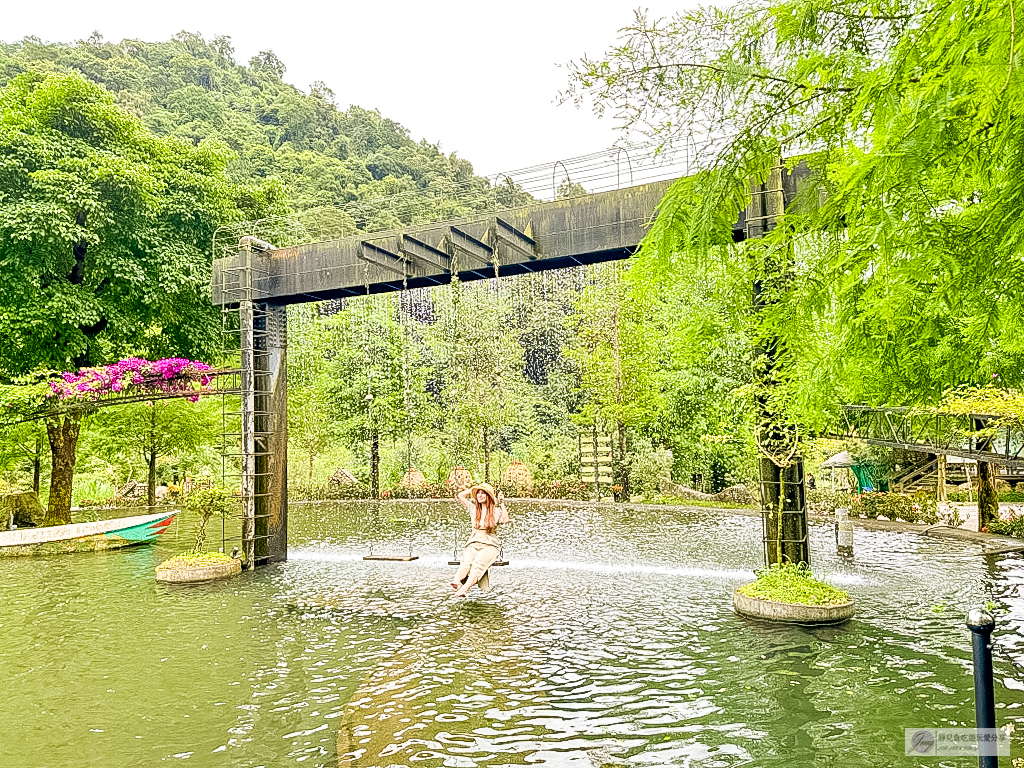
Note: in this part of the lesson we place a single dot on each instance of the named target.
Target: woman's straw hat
(486, 488)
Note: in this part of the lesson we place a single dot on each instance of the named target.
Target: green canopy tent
(867, 474)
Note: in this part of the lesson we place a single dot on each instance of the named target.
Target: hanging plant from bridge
(168, 376)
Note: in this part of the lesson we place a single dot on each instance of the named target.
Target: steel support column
(271, 458)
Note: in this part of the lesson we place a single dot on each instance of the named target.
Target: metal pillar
(981, 623)
(262, 437)
(844, 532)
(271, 456)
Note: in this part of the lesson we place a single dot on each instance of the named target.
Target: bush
(207, 503)
(1007, 495)
(428, 491)
(647, 467)
(1012, 526)
(824, 502)
(562, 489)
(329, 491)
(542, 489)
(194, 559)
(789, 583)
(920, 508)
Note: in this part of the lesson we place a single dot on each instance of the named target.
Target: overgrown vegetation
(1012, 526)
(193, 559)
(791, 583)
(205, 503)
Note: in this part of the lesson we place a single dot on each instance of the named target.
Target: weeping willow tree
(896, 278)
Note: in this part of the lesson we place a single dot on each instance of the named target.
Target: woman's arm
(463, 496)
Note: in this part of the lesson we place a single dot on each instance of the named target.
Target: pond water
(609, 640)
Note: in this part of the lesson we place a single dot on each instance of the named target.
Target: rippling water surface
(610, 640)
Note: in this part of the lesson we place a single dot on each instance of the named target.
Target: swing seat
(392, 558)
(496, 562)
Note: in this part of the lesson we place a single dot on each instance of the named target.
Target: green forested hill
(292, 148)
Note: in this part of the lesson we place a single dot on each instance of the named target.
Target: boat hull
(84, 537)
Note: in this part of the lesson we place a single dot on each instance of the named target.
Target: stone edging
(791, 612)
(186, 574)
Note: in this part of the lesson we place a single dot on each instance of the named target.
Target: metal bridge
(977, 436)
(258, 277)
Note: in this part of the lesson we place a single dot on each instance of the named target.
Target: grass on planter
(195, 559)
(789, 583)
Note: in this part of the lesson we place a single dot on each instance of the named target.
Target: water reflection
(610, 640)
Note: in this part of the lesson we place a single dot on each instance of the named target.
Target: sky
(478, 78)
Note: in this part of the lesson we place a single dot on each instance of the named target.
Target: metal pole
(981, 623)
(844, 532)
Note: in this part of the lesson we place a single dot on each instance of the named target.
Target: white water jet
(611, 569)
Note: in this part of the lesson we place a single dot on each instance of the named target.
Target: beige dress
(481, 551)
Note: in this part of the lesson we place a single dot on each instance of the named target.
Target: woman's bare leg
(460, 574)
(473, 578)
(464, 566)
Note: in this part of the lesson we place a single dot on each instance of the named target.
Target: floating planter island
(205, 566)
(84, 537)
(788, 593)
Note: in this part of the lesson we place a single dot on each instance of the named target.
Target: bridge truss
(976, 436)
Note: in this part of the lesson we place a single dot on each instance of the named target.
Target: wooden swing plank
(392, 558)
(496, 562)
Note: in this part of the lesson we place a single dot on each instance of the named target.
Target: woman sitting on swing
(486, 512)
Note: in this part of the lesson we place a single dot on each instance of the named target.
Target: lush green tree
(193, 89)
(312, 347)
(106, 233)
(888, 283)
(617, 354)
(375, 379)
(701, 366)
(156, 430)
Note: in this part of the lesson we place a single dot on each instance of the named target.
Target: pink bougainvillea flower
(168, 376)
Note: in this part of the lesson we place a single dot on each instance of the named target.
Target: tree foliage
(289, 149)
(905, 248)
(106, 230)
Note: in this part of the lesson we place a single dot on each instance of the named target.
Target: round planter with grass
(206, 566)
(788, 593)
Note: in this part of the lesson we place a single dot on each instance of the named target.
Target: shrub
(824, 501)
(328, 491)
(1006, 495)
(426, 491)
(1012, 526)
(789, 583)
(649, 464)
(920, 508)
(193, 559)
(562, 489)
(207, 503)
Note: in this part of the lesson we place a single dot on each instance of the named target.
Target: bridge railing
(977, 436)
(441, 199)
